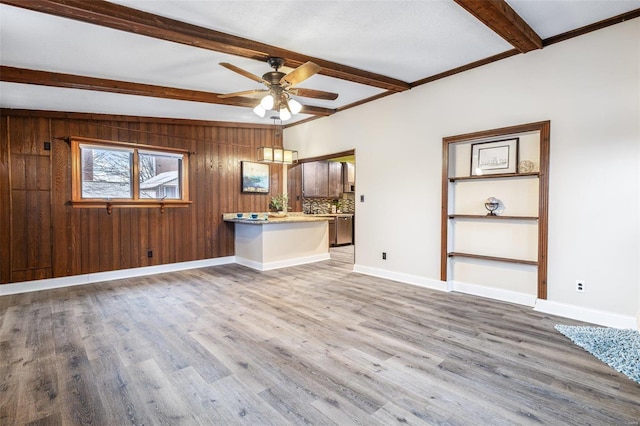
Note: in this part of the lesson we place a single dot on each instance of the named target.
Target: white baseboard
(281, 264)
(593, 316)
(51, 283)
(403, 278)
(494, 293)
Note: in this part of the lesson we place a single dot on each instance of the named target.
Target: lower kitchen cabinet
(332, 232)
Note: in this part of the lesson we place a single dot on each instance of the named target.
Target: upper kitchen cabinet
(349, 177)
(322, 179)
(335, 179)
(294, 187)
(315, 179)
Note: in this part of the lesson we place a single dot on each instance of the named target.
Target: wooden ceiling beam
(503, 20)
(123, 18)
(70, 81)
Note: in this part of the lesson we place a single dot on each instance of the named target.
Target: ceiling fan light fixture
(284, 114)
(259, 110)
(294, 106)
(267, 102)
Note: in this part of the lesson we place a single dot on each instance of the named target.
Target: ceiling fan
(280, 88)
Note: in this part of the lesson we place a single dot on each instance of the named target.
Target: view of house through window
(159, 175)
(119, 171)
(106, 172)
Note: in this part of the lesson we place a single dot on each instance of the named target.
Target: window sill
(110, 205)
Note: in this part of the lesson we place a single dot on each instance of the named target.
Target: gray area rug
(620, 349)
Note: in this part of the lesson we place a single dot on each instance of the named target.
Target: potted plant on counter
(278, 205)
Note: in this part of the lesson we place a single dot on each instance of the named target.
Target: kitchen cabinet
(315, 179)
(335, 180)
(332, 232)
(349, 177)
(322, 179)
(294, 187)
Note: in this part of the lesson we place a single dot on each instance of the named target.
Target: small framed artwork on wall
(495, 157)
(255, 177)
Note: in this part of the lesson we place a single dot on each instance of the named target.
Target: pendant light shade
(281, 102)
(259, 110)
(267, 102)
(284, 114)
(294, 106)
(273, 154)
(265, 154)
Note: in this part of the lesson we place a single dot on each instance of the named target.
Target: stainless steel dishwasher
(344, 230)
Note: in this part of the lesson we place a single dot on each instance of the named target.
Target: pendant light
(272, 154)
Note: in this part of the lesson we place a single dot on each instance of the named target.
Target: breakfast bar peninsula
(264, 243)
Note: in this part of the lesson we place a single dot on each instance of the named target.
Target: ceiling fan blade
(300, 74)
(243, 93)
(242, 72)
(311, 93)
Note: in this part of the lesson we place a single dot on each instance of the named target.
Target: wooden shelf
(496, 176)
(494, 258)
(480, 216)
(454, 160)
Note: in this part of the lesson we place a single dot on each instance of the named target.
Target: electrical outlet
(580, 286)
(384, 255)
(150, 253)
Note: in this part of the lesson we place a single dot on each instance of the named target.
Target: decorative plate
(525, 166)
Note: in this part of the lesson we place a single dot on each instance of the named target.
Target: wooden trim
(546, 42)
(444, 212)
(592, 27)
(467, 67)
(494, 258)
(543, 193)
(135, 21)
(76, 172)
(489, 217)
(365, 101)
(543, 209)
(130, 203)
(84, 116)
(495, 176)
(6, 210)
(108, 143)
(328, 156)
(504, 21)
(71, 81)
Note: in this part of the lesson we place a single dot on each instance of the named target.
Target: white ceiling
(405, 40)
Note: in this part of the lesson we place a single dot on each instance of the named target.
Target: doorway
(326, 185)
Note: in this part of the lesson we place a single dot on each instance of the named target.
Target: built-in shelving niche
(508, 251)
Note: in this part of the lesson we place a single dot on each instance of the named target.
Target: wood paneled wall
(43, 236)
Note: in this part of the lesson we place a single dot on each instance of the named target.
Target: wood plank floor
(314, 344)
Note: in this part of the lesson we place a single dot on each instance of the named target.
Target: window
(122, 174)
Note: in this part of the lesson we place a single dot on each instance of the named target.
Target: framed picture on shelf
(255, 177)
(495, 157)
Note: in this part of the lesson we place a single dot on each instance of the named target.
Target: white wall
(589, 87)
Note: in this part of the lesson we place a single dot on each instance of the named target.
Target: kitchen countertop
(331, 214)
(293, 217)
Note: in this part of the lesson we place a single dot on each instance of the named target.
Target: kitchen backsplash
(346, 204)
